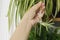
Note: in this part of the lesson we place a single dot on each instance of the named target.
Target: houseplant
(45, 29)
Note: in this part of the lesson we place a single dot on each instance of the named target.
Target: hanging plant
(44, 30)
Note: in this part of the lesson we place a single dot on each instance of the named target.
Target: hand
(34, 14)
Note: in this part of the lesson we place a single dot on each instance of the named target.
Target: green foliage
(44, 30)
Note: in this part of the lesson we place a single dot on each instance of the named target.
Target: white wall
(4, 35)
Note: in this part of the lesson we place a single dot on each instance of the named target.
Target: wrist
(26, 22)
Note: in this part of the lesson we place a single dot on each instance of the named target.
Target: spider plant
(44, 30)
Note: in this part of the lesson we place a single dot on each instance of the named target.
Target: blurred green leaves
(44, 30)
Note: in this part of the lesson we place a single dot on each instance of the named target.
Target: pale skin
(31, 17)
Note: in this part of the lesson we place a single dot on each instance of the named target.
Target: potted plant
(45, 29)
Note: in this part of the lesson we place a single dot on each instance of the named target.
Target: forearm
(22, 31)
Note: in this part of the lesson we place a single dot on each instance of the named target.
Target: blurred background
(4, 33)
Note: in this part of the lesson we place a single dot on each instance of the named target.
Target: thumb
(33, 9)
(36, 7)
